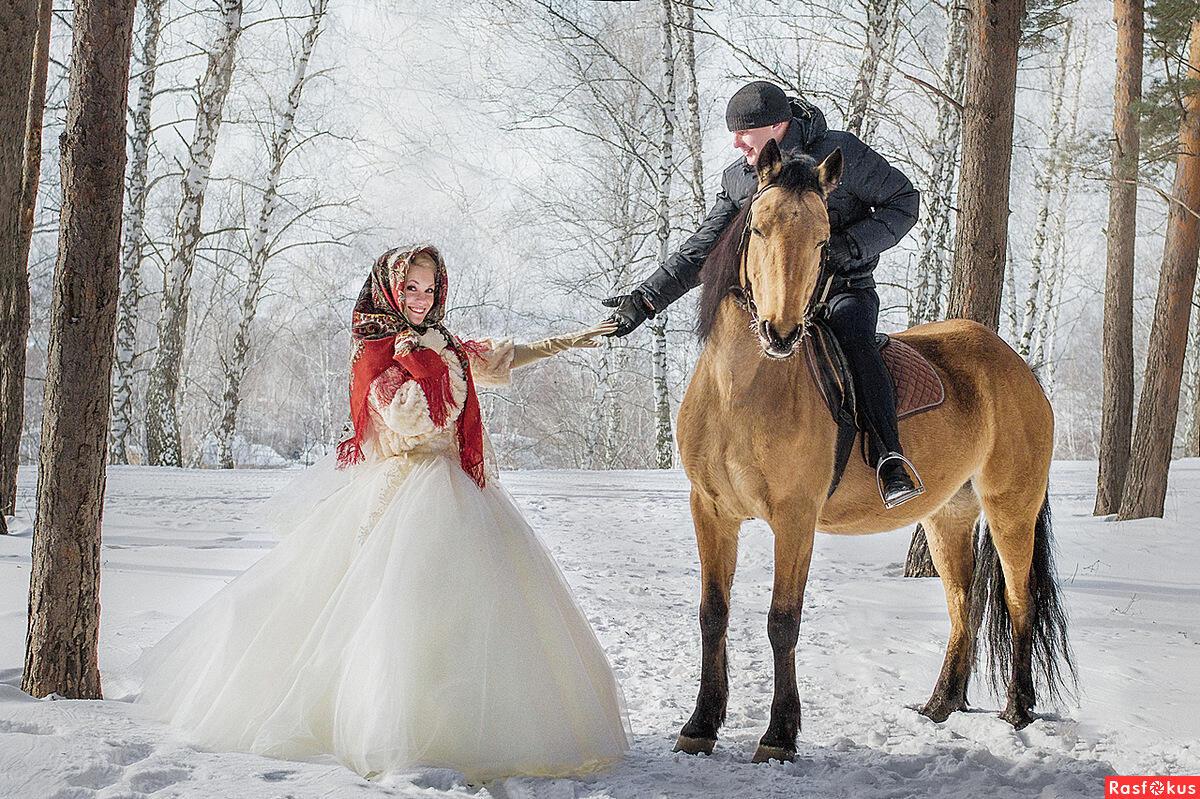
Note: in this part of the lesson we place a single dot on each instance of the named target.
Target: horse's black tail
(1053, 664)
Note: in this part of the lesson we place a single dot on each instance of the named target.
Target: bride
(409, 616)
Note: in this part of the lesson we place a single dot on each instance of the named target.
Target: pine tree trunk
(260, 247)
(64, 586)
(664, 441)
(1150, 461)
(1116, 425)
(163, 445)
(18, 38)
(937, 219)
(131, 255)
(994, 29)
(919, 563)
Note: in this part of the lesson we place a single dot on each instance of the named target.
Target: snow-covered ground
(870, 647)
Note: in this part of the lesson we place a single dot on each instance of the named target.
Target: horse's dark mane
(720, 271)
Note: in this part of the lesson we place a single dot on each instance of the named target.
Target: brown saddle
(918, 386)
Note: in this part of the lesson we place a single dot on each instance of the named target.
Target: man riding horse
(872, 208)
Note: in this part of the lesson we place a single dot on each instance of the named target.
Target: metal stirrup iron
(916, 491)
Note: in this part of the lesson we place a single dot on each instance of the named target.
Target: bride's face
(418, 292)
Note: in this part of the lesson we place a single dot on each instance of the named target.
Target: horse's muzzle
(775, 345)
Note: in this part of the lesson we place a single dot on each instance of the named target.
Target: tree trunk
(936, 227)
(994, 29)
(664, 442)
(163, 446)
(919, 563)
(879, 16)
(18, 39)
(260, 247)
(937, 220)
(1146, 482)
(883, 76)
(1116, 425)
(1047, 183)
(695, 150)
(64, 585)
(131, 255)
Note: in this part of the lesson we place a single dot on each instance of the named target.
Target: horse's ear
(769, 164)
(829, 171)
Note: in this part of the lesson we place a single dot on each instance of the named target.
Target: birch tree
(64, 585)
(1116, 426)
(163, 447)
(137, 188)
(937, 217)
(262, 242)
(664, 442)
(882, 17)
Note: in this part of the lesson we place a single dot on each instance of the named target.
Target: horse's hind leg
(716, 538)
(950, 533)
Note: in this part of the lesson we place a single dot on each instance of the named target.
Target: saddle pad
(918, 387)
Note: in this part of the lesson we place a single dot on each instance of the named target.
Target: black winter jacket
(872, 208)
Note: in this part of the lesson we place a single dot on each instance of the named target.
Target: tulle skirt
(407, 618)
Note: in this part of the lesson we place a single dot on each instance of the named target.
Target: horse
(757, 441)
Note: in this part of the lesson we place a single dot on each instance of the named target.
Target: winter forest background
(533, 142)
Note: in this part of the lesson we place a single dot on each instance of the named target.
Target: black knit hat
(756, 105)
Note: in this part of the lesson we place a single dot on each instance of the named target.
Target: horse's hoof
(1018, 717)
(939, 711)
(765, 754)
(694, 746)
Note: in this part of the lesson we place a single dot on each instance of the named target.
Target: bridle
(743, 293)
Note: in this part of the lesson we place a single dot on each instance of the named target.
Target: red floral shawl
(383, 336)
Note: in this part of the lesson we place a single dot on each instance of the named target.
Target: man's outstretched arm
(679, 275)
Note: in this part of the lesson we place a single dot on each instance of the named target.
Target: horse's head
(788, 230)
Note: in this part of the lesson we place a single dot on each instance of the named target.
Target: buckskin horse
(758, 440)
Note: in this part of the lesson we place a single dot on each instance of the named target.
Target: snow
(870, 648)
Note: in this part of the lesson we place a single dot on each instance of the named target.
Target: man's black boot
(895, 486)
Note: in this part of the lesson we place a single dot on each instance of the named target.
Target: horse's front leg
(716, 538)
(794, 533)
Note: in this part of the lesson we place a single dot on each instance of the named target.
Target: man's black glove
(842, 251)
(632, 310)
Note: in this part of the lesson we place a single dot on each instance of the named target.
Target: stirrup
(917, 490)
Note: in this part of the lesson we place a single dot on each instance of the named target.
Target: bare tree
(937, 219)
(1048, 182)
(1146, 482)
(64, 587)
(18, 39)
(163, 447)
(994, 29)
(692, 127)
(1116, 424)
(261, 245)
(882, 17)
(138, 186)
(664, 442)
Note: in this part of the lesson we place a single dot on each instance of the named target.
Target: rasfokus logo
(1151, 786)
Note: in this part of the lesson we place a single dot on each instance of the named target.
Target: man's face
(751, 141)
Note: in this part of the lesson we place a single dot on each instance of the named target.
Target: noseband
(743, 293)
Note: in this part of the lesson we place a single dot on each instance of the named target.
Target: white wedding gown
(407, 618)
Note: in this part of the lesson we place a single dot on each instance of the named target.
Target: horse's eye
(756, 231)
